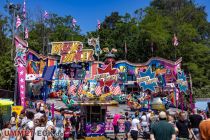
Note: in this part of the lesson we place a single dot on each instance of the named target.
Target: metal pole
(13, 35)
(43, 39)
(191, 92)
(12, 57)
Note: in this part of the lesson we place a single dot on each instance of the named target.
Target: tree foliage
(145, 30)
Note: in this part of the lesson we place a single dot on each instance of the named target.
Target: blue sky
(86, 12)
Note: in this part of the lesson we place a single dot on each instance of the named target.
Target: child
(127, 124)
(67, 131)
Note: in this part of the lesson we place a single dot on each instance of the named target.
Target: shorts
(116, 129)
(134, 134)
(127, 130)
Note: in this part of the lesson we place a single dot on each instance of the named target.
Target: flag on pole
(18, 21)
(80, 89)
(26, 33)
(98, 90)
(74, 22)
(46, 15)
(117, 90)
(175, 41)
(126, 48)
(72, 89)
(111, 88)
(24, 9)
(99, 24)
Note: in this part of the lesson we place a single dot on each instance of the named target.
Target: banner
(17, 109)
(20, 63)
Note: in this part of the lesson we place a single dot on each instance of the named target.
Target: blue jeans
(74, 135)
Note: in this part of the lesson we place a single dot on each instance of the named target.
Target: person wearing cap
(162, 130)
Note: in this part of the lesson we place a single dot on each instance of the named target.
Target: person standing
(13, 123)
(67, 131)
(127, 124)
(183, 126)
(75, 124)
(204, 128)
(59, 120)
(162, 130)
(5, 132)
(115, 124)
(39, 130)
(195, 120)
(135, 126)
(145, 124)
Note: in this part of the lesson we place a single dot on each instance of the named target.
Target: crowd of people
(164, 126)
(40, 125)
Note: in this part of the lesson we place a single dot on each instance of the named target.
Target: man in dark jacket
(183, 126)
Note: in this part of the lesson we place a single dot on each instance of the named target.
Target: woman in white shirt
(135, 126)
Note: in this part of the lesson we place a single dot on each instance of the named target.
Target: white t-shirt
(144, 120)
(134, 124)
(39, 133)
(30, 125)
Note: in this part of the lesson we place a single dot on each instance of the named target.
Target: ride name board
(106, 77)
(59, 48)
(84, 56)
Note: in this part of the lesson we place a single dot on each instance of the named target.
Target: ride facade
(72, 74)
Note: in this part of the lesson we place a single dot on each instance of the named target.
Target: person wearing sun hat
(162, 130)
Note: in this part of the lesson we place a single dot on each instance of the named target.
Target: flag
(126, 48)
(72, 89)
(116, 90)
(74, 22)
(80, 88)
(26, 33)
(98, 90)
(46, 15)
(175, 41)
(99, 24)
(18, 21)
(24, 9)
(111, 88)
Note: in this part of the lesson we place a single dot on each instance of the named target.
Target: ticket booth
(94, 117)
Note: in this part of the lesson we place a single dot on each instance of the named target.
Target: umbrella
(5, 102)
